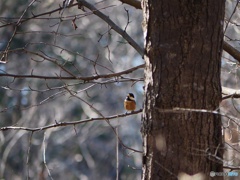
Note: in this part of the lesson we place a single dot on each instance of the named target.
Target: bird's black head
(131, 95)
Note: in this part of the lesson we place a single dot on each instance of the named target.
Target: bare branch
(87, 78)
(230, 93)
(44, 155)
(70, 123)
(231, 16)
(134, 3)
(232, 168)
(113, 25)
(232, 51)
(4, 58)
(186, 110)
(28, 153)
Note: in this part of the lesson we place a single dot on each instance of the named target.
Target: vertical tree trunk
(183, 45)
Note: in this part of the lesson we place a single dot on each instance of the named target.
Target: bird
(129, 102)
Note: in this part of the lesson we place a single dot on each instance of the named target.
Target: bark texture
(183, 45)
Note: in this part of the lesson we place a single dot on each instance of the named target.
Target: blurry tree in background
(65, 71)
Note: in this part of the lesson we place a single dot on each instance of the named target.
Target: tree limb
(230, 93)
(69, 123)
(231, 50)
(113, 26)
(86, 78)
(134, 3)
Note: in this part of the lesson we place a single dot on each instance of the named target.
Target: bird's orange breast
(130, 105)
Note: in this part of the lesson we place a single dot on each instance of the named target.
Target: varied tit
(129, 102)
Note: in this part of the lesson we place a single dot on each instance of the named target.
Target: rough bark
(183, 45)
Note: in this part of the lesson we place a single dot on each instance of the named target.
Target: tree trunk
(183, 45)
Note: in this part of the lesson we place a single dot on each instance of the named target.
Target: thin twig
(231, 17)
(117, 154)
(44, 156)
(18, 23)
(28, 153)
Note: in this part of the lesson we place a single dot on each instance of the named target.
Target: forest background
(65, 72)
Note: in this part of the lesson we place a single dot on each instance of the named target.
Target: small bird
(129, 102)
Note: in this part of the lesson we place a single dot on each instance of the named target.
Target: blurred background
(42, 39)
(41, 46)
